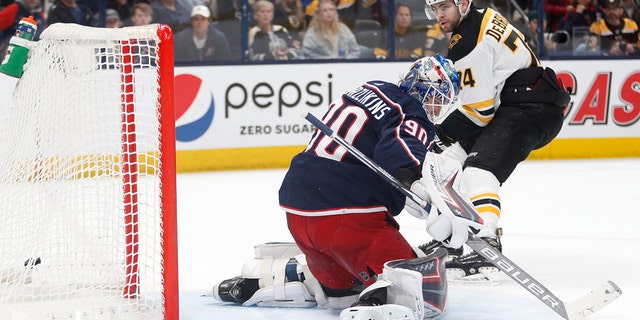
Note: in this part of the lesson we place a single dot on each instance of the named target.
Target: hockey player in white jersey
(510, 105)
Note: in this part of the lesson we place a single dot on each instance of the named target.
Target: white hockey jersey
(486, 50)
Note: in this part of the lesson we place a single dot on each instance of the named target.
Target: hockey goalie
(348, 251)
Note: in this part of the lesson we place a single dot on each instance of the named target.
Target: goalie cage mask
(435, 83)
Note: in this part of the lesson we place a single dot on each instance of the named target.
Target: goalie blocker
(278, 277)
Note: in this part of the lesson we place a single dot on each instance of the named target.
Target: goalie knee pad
(372, 305)
(274, 263)
(419, 284)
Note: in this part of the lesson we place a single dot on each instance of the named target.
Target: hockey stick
(581, 308)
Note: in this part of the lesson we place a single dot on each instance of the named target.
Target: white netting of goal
(80, 188)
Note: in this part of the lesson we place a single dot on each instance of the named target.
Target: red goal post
(87, 178)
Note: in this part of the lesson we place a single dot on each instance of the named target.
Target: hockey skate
(432, 245)
(474, 268)
(236, 289)
(471, 267)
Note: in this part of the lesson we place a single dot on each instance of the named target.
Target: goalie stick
(446, 198)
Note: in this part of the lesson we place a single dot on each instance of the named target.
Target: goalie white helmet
(435, 83)
(428, 9)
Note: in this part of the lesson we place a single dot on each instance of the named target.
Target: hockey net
(87, 178)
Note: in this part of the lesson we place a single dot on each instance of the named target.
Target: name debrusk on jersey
(482, 80)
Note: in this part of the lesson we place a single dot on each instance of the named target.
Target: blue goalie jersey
(381, 121)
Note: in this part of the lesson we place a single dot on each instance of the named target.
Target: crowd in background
(212, 30)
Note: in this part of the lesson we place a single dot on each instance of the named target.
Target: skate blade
(484, 276)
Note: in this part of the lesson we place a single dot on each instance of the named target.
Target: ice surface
(572, 224)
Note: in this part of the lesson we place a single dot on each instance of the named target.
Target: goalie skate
(472, 268)
(236, 289)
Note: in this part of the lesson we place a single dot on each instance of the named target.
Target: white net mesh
(80, 187)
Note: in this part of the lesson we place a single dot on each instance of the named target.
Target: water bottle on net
(16, 55)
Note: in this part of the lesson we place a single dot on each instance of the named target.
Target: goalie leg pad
(281, 279)
(283, 250)
(383, 312)
(291, 294)
(419, 283)
(273, 263)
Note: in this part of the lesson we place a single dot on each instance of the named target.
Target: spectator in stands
(141, 15)
(108, 55)
(327, 37)
(618, 35)
(526, 5)
(437, 41)
(305, 3)
(112, 19)
(69, 11)
(11, 15)
(588, 45)
(382, 6)
(632, 10)
(556, 10)
(268, 41)
(123, 7)
(409, 42)
(583, 14)
(93, 5)
(227, 19)
(192, 3)
(531, 34)
(224, 9)
(202, 41)
(171, 13)
(347, 9)
(290, 15)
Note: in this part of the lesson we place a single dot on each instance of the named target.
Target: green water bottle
(16, 55)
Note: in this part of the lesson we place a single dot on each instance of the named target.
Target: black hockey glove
(441, 140)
